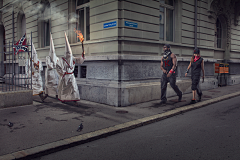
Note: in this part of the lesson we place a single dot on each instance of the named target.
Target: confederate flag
(20, 46)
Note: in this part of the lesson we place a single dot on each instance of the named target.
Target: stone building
(124, 41)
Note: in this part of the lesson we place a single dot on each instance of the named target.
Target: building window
(22, 70)
(76, 71)
(46, 25)
(218, 33)
(83, 72)
(83, 20)
(166, 20)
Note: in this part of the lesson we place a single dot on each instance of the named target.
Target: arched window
(21, 25)
(83, 20)
(219, 33)
(166, 20)
(21, 30)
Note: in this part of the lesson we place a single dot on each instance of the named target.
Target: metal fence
(17, 68)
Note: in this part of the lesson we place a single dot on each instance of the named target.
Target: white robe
(37, 84)
(67, 87)
(51, 78)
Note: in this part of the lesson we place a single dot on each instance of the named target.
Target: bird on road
(80, 127)
(10, 124)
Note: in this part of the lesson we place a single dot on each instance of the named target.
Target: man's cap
(167, 45)
(196, 51)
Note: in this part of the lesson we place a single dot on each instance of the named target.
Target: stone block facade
(122, 65)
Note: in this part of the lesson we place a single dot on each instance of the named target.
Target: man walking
(168, 66)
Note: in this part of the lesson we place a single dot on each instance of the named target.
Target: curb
(88, 137)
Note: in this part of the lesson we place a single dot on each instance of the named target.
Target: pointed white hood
(52, 52)
(69, 50)
(34, 52)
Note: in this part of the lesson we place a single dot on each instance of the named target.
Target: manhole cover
(122, 111)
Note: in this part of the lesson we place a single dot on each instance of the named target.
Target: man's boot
(180, 98)
(199, 97)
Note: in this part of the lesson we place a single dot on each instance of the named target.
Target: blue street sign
(110, 24)
(131, 24)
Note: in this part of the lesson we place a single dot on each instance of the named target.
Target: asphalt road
(211, 132)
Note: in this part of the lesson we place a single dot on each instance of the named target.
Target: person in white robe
(51, 75)
(37, 84)
(67, 87)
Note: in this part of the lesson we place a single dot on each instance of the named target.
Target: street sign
(216, 67)
(221, 68)
(131, 24)
(226, 68)
(110, 24)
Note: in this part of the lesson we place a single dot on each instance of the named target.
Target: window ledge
(219, 49)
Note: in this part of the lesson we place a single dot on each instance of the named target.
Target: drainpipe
(195, 25)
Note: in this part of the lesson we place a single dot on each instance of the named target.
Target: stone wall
(129, 93)
(16, 98)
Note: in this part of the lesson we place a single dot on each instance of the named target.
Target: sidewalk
(43, 128)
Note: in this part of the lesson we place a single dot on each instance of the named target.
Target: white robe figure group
(59, 76)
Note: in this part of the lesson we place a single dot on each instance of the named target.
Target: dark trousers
(164, 82)
(195, 84)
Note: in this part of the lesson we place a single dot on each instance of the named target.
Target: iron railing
(17, 68)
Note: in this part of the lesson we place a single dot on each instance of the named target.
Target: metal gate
(17, 67)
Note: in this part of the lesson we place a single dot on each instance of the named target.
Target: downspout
(195, 25)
